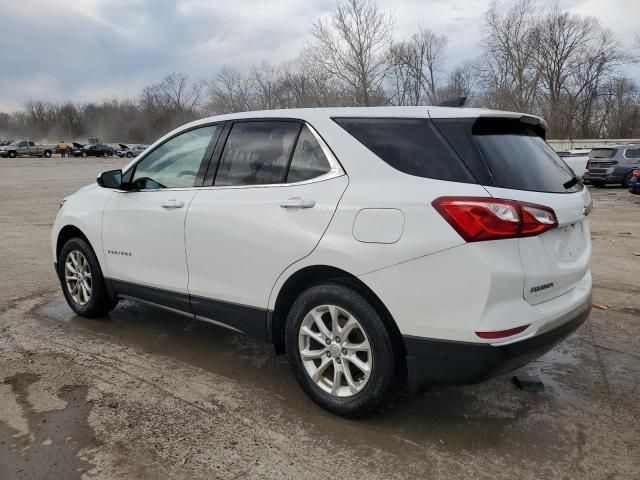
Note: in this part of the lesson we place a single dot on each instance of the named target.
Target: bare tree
(414, 67)
(351, 45)
(230, 91)
(508, 67)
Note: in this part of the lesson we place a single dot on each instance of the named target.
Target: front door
(143, 228)
(275, 192)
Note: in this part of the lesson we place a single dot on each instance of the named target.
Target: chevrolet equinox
(377, 247)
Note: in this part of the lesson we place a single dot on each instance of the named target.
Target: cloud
(87, 50)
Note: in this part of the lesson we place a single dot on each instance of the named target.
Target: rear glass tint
(413, 146)
(519, 158)
(603, 153)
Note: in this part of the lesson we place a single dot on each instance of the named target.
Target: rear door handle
(297, 202)
(172, 204)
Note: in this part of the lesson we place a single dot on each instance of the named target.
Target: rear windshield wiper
(570, 183)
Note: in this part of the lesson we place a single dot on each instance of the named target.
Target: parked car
(634, 182)
(131, 151)
(4, 143)
(357, 240)
(97, 150)
(26, 148)
(612, 165)
(577, 160)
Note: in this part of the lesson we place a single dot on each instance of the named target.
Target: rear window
(603, 153)
(519, 158)
(413, 146)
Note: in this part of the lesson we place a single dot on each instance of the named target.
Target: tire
(597, 183)
(129, 155)
(362, 395)
(80, 256)
(84, 154)
(12, 154)
(626, 179)
(47, 153)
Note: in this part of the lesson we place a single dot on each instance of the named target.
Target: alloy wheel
(335, 351)
(77, 277)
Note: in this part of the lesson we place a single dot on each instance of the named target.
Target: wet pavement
(149, 394)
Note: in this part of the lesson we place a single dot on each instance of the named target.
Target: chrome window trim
(334, 172)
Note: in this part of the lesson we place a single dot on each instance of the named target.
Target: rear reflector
(477, 219)
(502, 333)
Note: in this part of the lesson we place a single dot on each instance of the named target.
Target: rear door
(275, 191)
(525, 168)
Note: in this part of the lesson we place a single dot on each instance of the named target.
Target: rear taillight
(588, 165)
(477, 219)
(636, 173)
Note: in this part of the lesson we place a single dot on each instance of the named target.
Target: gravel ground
(146, 394)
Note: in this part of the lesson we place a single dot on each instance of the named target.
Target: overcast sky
(90, 50)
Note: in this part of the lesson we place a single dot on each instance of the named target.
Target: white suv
(376, 246)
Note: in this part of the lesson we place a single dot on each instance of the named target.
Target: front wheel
(12, 154)
(340, 350)
(47, 154)
(82, 282)
(84, 154)
(597, 183)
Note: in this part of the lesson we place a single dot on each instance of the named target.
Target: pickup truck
(26, 148)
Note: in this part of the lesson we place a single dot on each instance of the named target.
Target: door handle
(297, 202)
(172, 204)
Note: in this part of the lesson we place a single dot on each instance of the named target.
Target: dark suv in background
(612, 165)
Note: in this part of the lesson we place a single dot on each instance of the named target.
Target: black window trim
(206, 158)
(336, 167)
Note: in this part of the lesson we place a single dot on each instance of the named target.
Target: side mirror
(110, 179)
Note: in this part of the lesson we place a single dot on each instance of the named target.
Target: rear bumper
(433, 361)
(602, 177)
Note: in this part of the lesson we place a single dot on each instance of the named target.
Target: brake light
(588, 165)
(636, 173)
(477, 219)
(502, 333)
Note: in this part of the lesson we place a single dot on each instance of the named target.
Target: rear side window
(632, 153)
(256, 153)
(413, 146)
(308, 159)
(603, 153)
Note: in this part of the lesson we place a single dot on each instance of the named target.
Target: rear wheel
(129, 155)
(12, 154)
(597, 183)
(47, 153)
(340, 350)
(82, 282)
(84, 154)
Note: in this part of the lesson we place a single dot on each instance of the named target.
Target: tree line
(564, 67)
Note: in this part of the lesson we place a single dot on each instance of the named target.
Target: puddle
(482, 417)
(51, 448)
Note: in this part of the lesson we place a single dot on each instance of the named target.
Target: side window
(633, 153)
(175, 163)
(308, 159)
(22, 144)
(256, 153)
(32, 144)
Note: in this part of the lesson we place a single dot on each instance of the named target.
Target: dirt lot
(145, 394)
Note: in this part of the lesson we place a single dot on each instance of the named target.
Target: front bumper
(432, 361)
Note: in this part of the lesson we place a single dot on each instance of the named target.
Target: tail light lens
(636, 173)
(588, 165)
(477, 219)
